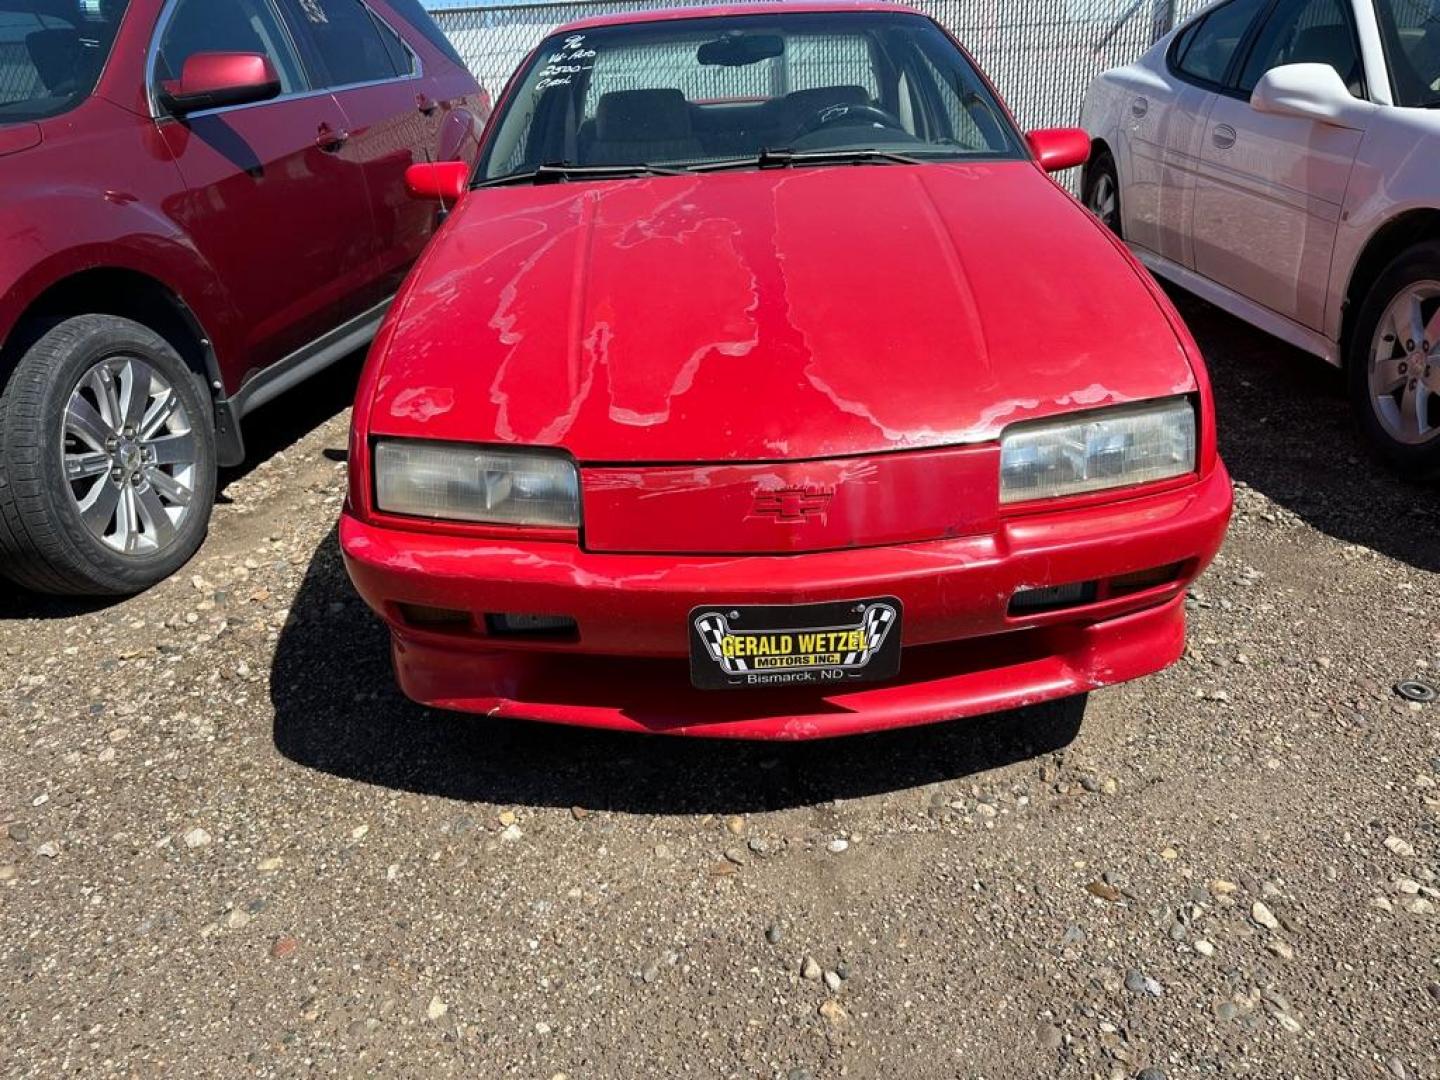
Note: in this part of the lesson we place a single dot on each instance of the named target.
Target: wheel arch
(1388, 243)
(1099, 146)
(145, 299)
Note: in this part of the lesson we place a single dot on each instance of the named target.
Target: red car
(201, 204)
(764, 385)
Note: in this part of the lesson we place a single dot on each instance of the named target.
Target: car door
(1272, 188)
(270, 202)
(1170, 121)
(391, 122)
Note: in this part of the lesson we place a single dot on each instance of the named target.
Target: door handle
(1223, 137)
(1139, 107)
(330, 140)
(426, 106)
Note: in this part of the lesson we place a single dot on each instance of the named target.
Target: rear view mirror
(740, 50)
(1058, 149)
(443, 181)
(214, 80)
(1310, 92)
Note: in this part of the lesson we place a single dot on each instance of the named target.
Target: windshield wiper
(559, 172)
(781, 159)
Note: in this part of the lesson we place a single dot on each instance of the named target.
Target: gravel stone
(1264, 916)
(1402, 848)
(1139, 983)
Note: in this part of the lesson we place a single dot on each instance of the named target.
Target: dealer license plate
(735, 648)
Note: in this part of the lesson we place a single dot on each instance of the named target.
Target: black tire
(1419, 264)
(45, 545)
(1102, 168)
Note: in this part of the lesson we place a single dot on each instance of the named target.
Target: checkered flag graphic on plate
(876, 623)
(713, 628)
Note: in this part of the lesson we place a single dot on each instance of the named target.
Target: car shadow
(1286, 431)
(338, 711)
(280, 424)
(273, 428)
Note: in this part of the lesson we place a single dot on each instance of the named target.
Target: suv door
(272, 201)
(1272, 188)
(1199, 62)
(393, 123)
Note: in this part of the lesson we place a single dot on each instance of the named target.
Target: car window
(346, 41)
(1307, 32)
(1410, 30)
(51, 54)
(717, 89)
(1211, 47)
(250, 26)
(1182, 42)
(963, 118)
(809, 62)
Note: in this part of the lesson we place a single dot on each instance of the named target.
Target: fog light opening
(1052, 598)
(518, 625)
(423, 617)
(1145, 580)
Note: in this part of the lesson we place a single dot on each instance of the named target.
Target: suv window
(252, 26)
(1307, 32)
(1210, 47)
(419, 19)
(401, 57)
(51, 54)
(347, 41)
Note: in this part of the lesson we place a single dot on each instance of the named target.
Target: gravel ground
(229, 847)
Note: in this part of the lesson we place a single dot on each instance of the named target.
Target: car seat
(633, 127)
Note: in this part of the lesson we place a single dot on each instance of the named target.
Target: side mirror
(213, 80)
(444, 182)
(1309, 92)
(1058, 149)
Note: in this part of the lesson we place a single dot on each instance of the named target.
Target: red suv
(201, 204)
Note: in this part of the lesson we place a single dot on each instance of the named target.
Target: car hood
(766, 315)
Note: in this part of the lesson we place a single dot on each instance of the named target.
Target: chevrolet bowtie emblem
(794, 505)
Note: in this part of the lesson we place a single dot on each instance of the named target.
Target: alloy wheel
(1105, 200)
(1405, 365)
(130, 456)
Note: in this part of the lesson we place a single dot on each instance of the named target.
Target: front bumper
(964, 654)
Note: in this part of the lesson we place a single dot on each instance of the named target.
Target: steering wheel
(856, 115)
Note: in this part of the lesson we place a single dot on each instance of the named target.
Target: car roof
(770, 7)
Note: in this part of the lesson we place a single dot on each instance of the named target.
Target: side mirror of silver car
(1310, 92)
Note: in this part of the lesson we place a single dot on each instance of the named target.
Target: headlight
(468, 483)
(1108, 448)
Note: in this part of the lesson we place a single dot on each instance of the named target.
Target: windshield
(686, 92)
(1411, 32)
(51, 53)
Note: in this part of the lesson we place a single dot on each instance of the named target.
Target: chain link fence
(1041, 54)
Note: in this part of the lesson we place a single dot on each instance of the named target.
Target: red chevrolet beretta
(762, 384)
